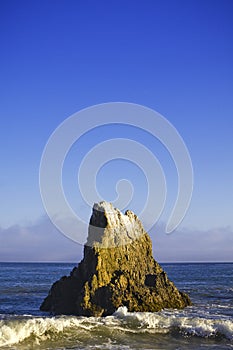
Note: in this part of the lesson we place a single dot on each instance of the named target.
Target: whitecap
(13, 331)
(186, 324)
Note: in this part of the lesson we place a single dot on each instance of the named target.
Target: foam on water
(187, 325)
(41, 328)
(16, 330)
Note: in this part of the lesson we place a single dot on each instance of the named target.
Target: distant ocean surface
(208, 324)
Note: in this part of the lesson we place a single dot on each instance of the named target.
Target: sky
(58, 57)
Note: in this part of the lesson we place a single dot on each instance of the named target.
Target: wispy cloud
(193, 245)
(38, 242)
(43, 242)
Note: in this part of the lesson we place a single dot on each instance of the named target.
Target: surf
(16, 330)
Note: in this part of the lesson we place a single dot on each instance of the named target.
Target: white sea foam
(14, 331)
(187, 325)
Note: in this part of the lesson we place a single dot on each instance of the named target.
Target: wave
(21, 328)
(167, 321)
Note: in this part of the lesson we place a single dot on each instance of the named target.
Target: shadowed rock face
(118, 269)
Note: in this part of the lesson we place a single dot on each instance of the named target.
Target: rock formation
(118, 269)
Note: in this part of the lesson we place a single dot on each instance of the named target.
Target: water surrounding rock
(118, 269)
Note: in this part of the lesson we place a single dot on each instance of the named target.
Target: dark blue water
(208, 324)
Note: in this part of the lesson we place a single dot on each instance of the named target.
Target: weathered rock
(118, 269)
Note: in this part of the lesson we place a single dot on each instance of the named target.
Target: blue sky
(58, 57)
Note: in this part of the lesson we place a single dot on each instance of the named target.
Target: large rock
(118, 269)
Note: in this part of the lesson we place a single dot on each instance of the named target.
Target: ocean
(208, 324)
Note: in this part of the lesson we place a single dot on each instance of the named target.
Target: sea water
(208, 324)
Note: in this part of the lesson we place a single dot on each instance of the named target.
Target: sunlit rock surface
(118, 269)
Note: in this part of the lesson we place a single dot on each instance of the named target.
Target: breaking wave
(184, 324)
(18, 329)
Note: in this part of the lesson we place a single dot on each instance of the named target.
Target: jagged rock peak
(118, 269)
(109, 227)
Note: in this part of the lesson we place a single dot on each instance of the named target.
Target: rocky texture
(118, 269)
